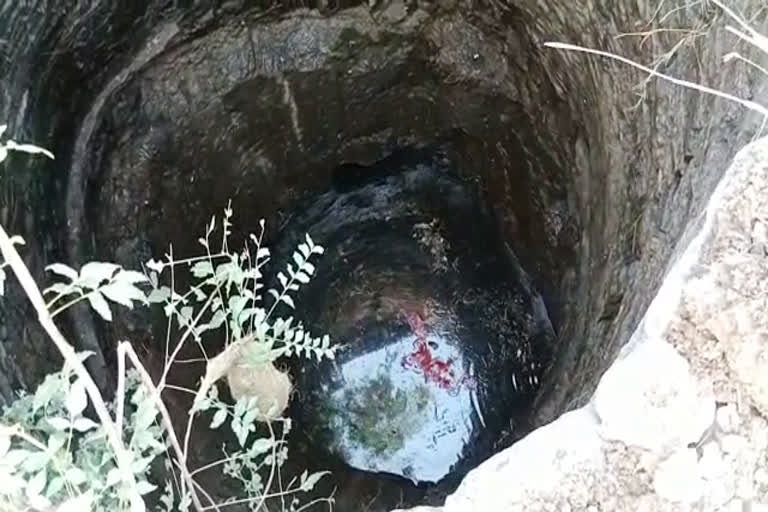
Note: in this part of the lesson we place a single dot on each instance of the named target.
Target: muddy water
(404, 403)
(444, 342)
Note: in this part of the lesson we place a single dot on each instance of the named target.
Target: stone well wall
(678, 422)
(161, 112)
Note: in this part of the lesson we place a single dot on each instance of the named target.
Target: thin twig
(272, 467)
(217, 463)
(124, 348)
(677, 81)
(120, 394)
(735, 17)
(202, 490)
(16, 431)
(737, 56)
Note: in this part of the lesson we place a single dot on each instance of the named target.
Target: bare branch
(124, 348)
(677, 81)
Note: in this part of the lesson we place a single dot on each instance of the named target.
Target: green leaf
(159, 295)
(278, 327)
(143, 487)
(167, 497)
(217, 319)
(98, 303)
(60, 288)
(84, 424)
(76, 476)
(200, 296)
(37, 483)
(259, 446)
(63, 270)
(2, 282)
(131, 277)
(59, 424)
(283, 279)
(123, 293)
(248, 313)
(242, 432)
(139, 466)
(15, 457)
(288, 300)
(218, 418)
(202, 269)
(145, 414)
(77, 399)
(95, 272)
(240, 407)
(236, 305)
(308, 482)
(186, 313)
(45, 392)
(261, 329)
(156, 266)
(147, 440)
(302, 277)
(54, 486)
(113, 477)
(250, 416)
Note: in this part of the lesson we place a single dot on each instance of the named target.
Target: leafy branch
(53, 454)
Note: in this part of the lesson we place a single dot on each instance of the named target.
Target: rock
(648, 398)
(524, 474)
(677, 478)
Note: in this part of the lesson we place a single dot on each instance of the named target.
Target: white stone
(677, 479)
(728, 418)
(648, 398)
(534, 466)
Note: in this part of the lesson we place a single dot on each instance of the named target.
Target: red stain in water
(437, 371)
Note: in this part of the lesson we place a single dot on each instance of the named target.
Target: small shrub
(53, 454)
